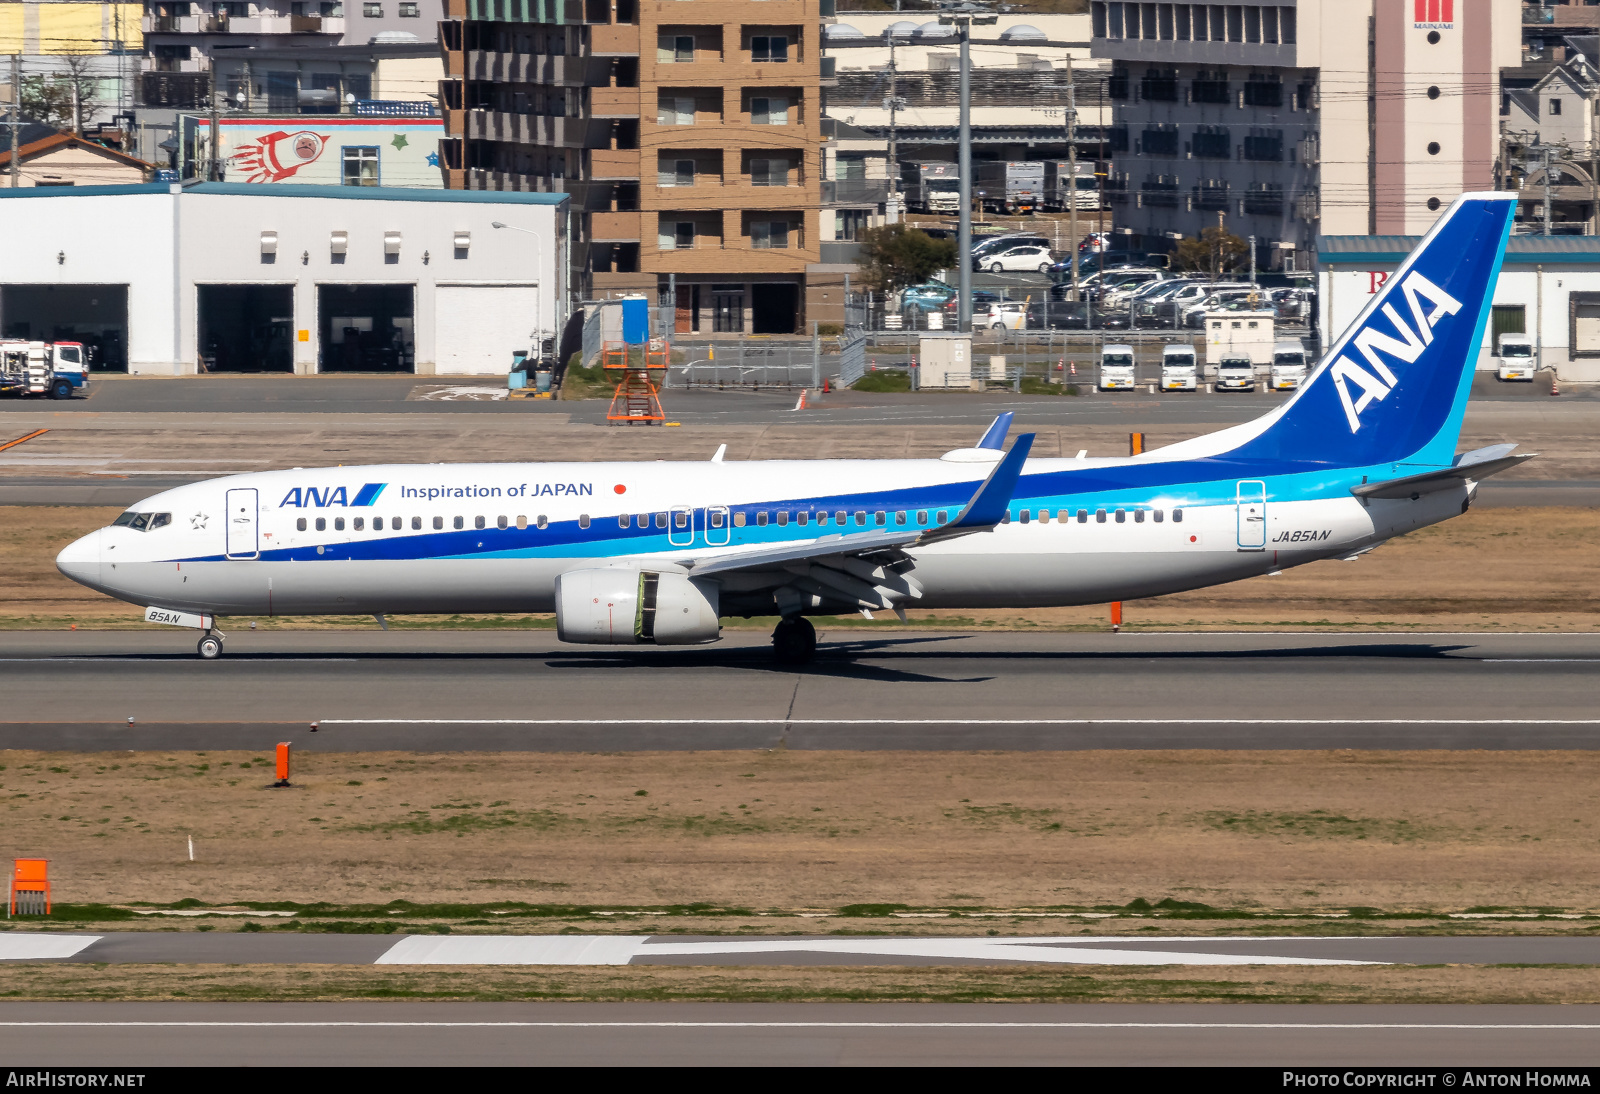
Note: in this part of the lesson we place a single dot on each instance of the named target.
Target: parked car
(1003, 315)
(1010, 239)
(1072, 315)
(1247, 299)
(1099, 286)
(1016, 258)
(926, 296)
(981, 300)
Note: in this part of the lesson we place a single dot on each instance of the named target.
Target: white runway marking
(39, 947)
(513, 950)
(959, 721)
(1565, 1026)
(621, 949)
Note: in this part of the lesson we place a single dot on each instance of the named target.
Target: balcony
(614, 163)
(614, 102)
(305, 24)
(614, 40)
(615, 227)
(855, 191)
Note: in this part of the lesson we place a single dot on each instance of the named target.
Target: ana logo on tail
(1405, 349)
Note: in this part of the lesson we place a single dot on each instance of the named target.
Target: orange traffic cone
(1555, 389)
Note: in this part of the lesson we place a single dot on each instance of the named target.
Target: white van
(1178, 368)
(1116, 367)
(1288, 366)
(1236, 372)
(1515, 358)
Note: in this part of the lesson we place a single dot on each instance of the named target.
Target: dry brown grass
(1307, 831)
(1492, 569)
(1012, 984)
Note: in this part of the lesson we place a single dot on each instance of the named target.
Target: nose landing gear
(794, 641)
(210, 647)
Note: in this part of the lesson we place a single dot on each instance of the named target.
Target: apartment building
(91, 48)
(1297, 118)
(688, 133)
(183, 39)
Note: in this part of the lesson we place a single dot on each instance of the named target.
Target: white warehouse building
(1549, 289)
(168, 280)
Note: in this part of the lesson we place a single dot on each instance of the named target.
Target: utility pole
(1252, 260)
(1547, 186)
(16, 118)
(1072, 167)
(963, 21)
(1594, 160)
(964, 169)
(213, 163)
(1216, 252)
(894, 154)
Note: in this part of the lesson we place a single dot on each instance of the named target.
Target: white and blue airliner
(658, 553)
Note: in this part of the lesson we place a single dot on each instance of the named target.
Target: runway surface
(194, 948)
(131, 1035)
(868, 689)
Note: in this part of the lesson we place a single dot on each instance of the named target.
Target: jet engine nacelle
(630, 607)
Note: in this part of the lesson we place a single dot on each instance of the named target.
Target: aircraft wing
(1479, 464)
(871, 567)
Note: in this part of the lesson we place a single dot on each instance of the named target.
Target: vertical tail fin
(1393, 387)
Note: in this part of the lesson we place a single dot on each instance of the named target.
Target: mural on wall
(331, 151)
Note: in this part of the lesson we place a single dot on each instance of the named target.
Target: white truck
(1248, 334)
(1514, 359)
(1116, 367)
(1288, 366)
(931, 186)
(1178, 371)
(56, 369)
(1009, 187)
(1062, 191)
(1236, 372)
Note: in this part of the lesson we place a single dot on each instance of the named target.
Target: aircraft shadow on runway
(839, 660)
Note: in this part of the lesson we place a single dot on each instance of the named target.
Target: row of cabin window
(358, 524)
(680, 519)
(1119, 515)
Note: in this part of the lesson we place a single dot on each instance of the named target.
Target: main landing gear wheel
(794, 641)
(210, 648)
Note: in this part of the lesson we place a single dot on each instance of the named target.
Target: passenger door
(242, 525)
(1251, 509)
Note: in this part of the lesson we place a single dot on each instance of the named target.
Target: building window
(1160, 140)
(769, 47)
(1159, 86)
(769, 110)
(675, 235)
(372, 11)
(769, 234)
(410, 11)
(1262, 90)
(1210, 87)
(675, 110)
(848, 224)
(850, 165)
(1212, 142)
(361, 167)
(1264, 145)
(675, 173)
(675, 49)
(769, 172)
(1555, 107)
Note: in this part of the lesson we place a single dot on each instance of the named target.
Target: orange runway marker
(19, 440)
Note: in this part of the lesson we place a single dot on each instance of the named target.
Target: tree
(60, 100)
(1215, 253)
(895, 256)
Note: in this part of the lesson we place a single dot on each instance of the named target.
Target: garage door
(477, 327)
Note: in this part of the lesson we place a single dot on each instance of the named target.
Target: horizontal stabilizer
(1479, 464)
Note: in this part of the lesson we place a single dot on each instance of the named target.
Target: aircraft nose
(80, 559)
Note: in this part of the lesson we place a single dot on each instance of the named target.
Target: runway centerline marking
(1465, 1026)
(959, 721)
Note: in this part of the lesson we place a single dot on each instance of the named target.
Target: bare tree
(58, 100)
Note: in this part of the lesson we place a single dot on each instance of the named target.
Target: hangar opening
(96, 315)
(246, 328)
(366, 328)
(774, 307)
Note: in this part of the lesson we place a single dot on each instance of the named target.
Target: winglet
(996, 435)
(989, 504)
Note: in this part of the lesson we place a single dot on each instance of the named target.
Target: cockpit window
(142, 522)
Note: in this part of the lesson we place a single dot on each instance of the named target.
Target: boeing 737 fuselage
(660, 552)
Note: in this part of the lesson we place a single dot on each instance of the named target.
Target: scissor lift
(637, 400)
